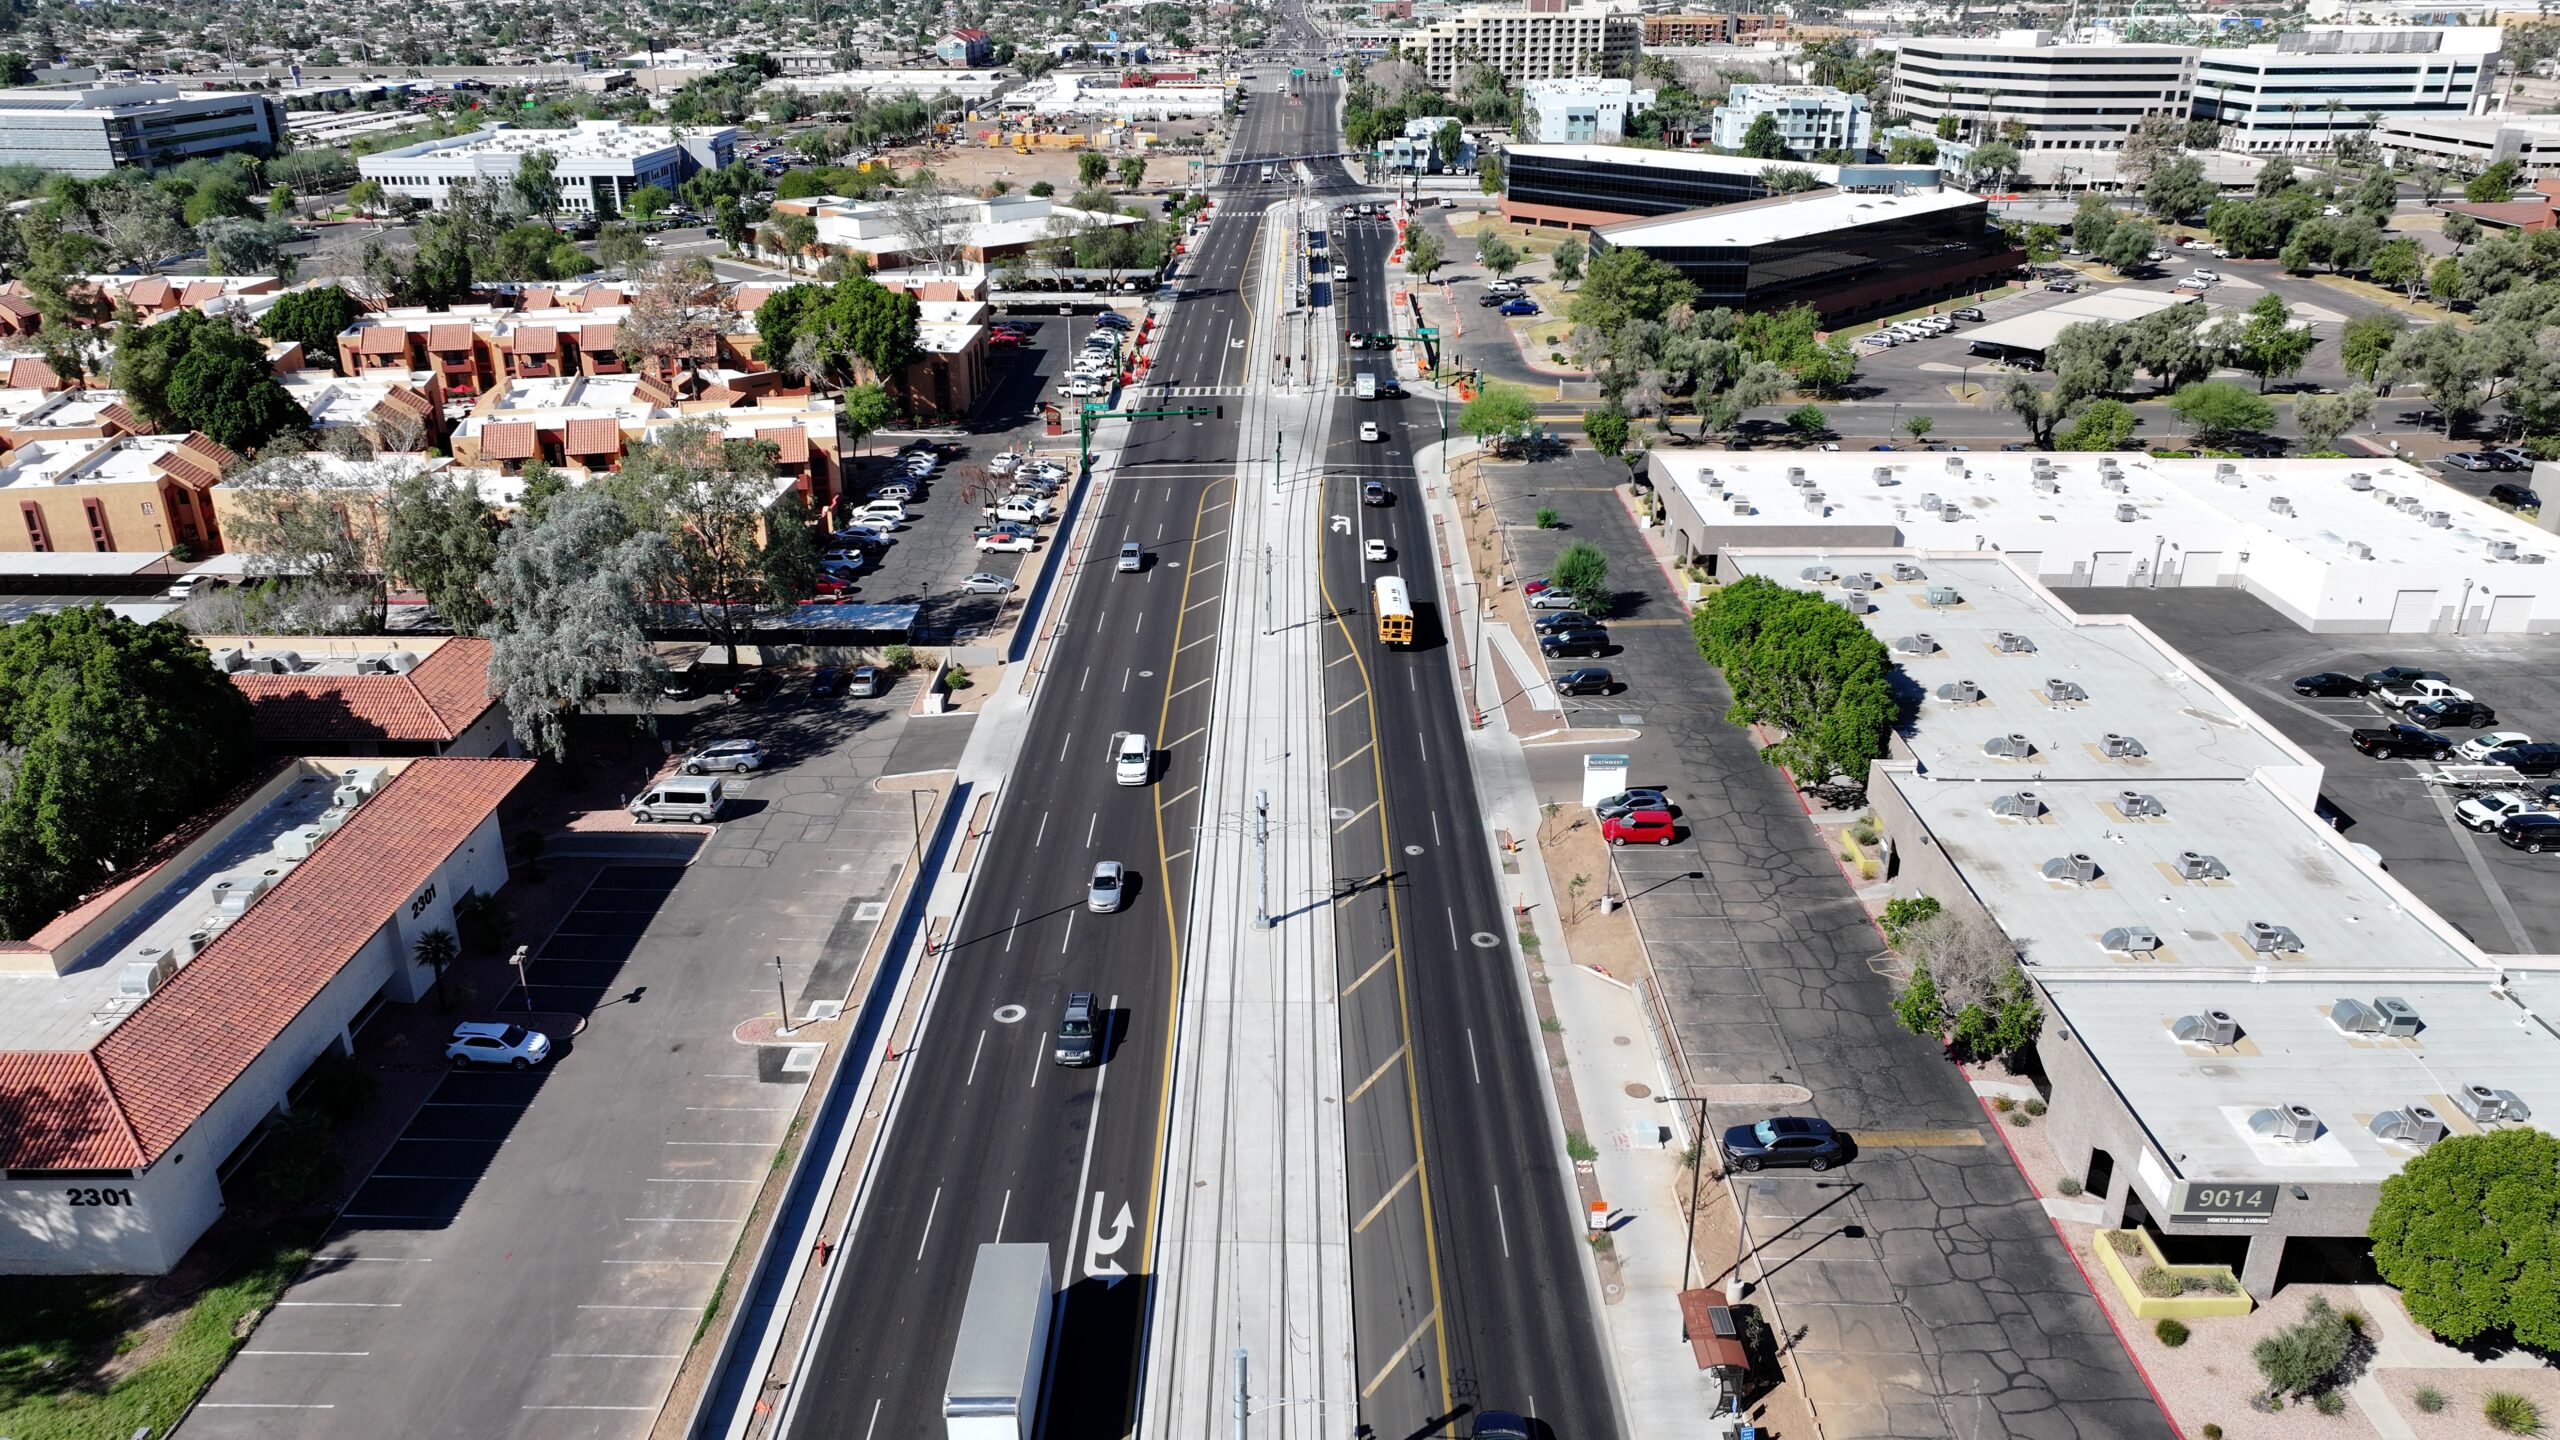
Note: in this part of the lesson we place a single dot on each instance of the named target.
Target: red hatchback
(1638, 827)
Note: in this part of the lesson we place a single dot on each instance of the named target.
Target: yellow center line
(1392, 1192)
(1375, 1076)
(1374, 967)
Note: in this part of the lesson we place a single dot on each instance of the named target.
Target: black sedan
(2390, 675)
(1589, 680)
(827, 682)
(2401, 742)
(1786, 1140)
(2330, 683)
(2470, 714)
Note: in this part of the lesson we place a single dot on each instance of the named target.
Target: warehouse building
(2251, 1023)
(1847, 254)
(90, 130)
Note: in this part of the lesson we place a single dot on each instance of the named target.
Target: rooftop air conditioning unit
(2359, 550)
(188, 946)
(347, 797)
(2502, 549)
(2487, 1105)
(2417, 1125)
(2013, 643)
(2075, 868)
(230, 661)
(1817, 573)
(2292, 1124)
(1884, 475)
(2355, 1017)
(1863, 580)
(1945, 595)
(331, 819)
(2121, 747)
(2047, 484)
(2013, 746)
(148, 970)
(1923, 643)
(401, 661)
(367, 778)
(1813, 502)
(2018, 804)
(1950, 514)
(2133, 804)
(1905, 570)
(235, 892)
(1855, 602)
(278, 662)
(2063, 690)
(2196, 865)
(2108, 464)
(2360, 480)
(2114, 483)
(2128, 514)
(2207, 1027)
(2531, 557)
(1741, 506)
(1795, 474)
(373, 665)
(2399, 1017)
(298, 843)
(2439, 520)
(2266, 937)
(1955, 465)
(2131, 940)
(2280, 505)
(1931, 503)
(1962, 692)
(2408, 504)
(2225, 469)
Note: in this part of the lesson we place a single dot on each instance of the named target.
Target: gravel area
(2463, 1391)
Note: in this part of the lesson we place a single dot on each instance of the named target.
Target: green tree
(2092, 222)
(1763, 140)
(368, 196)
(1918, 1009)
(280, 202)
(2179, 190)
(1805, 666)
(2401, 265)
(437, 950)
(542, 485)
(2323, 418)
(2039, 408)
(2461, 229)
(313, 319)
(2366, 342)
(1919, 426)
(1496, 254)
(2129, 246)
(2217, 411)
(2276, 177)
(862, 410)
(1489, 171)
(1447, 144)
(1993, 163)
(2105, 425)
(116, 733)
(1497, 409)
(736, 553)
(1808, 422)
(2378, 195)
(1625, 284)
(2469, 1232)
(193, 373)
(647, 202)
(2495, 185)
(1582, 571)
(621, 247)
(1091, 167)
(1421, 252)
(572, 598)
(2269, 344)
(1605, 426)
(536, 184)
(15, 69)
(441, 539)
(1133, 172)
(2447, 366)
(1567, 261)
(2444, 281)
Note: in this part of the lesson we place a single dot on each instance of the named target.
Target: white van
(694, 799)
(1132, 762)
(1365, 387)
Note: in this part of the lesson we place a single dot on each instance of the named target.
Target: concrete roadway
(992, 1141)
(1469, 1283)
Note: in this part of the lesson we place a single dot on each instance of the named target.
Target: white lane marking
(1453, 927)
(1065, 939)
(1087, 680)
(1075, 1222)
(1124, 680)
(1062, 746)
(1435, 827)
(1001, 1213)
(981, 1049)
(1473, 1068)
(1089, 827)
(1043, 832)
(1501, 1226)
(1009, 931)
(930, 1211)
(875, 1420)
(1039, 1044)
(1141, 625)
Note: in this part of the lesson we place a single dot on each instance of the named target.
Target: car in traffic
(1079, 1032)
(2330, 683)
(1499, 1424)
(1369, 431)
(2400, 742)
(983, 583)
(1784, 1140)
(737, 756)
(1132, 763)
(2532, 832)
(2479, 747)
(1589, 680)
(491, 1042)
(1625, 802)
(2468, 714)
(2486, 812)
(1374, 492)
(1103, 895)
(1640, 827)
(1375, 551)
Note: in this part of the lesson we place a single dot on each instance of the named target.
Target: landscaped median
(2154, 1289)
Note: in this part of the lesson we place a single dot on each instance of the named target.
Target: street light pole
(1262, 851)
(1697, 1180)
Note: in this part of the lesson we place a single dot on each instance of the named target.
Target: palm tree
(437, 949)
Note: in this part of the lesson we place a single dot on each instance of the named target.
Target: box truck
(994, 1389)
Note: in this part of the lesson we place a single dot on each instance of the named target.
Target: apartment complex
(1810, 118)
(1582, 110)
(1546, 41)
(90, 130)
(597, 165)
(1712, 28)
(100, 486)
(2065, 95)
(2300, 92)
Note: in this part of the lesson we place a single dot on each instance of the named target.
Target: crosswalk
(1205, 392)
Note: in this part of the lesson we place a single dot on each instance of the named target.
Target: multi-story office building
(2298, 93)
(2065, 96)
(1584, 110)
(1849, 255)
(89, 130)
(1712, 28)
(1548, 40)
(1811, 118)
(596, 166)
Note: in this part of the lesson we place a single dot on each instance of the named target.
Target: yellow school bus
(1395, 611)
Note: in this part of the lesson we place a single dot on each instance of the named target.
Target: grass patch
(59, 1333)
(1579, 1147)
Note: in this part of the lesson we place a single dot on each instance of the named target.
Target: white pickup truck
(2418, 692)
(1025, 509)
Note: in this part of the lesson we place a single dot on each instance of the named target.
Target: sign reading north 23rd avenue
(2228, 1204)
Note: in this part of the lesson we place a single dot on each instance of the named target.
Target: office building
(90, 130)
(1812, 119)
(1847, 254)
(1584, 185)
(2298, 93)
(1582, 110)
(1712, 28)
(597, 165)
(1546, 41)
(2052, 95)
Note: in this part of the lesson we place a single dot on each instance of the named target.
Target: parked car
(2485, 812)
(2400, 742)
(1784, 1140)
(1572, 644)
(738, 756)
(827, 682)
(1002, 543)
(1628, 801)
(2397, 675)
(2532, 832)
(868, 682)
(2330, 683)
(2468, 714)
(1640, 827)
(489, 1042)
(1589, 680)
(983, 583)
(2478, 747)
(2408, 694)
(1971, 313)
(2510, 457)
(2470, 460)
(1550, 599)
(2540, 758)
(2522, 497)
(1555, 620)
(1523, 306)
(753, 685)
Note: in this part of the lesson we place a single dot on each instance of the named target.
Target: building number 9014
(80, 1197)
(2233, 1201)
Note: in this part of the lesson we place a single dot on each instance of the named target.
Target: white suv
(1132, 762)
(486, 1043)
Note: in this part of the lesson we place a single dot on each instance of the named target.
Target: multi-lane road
(991, 1141)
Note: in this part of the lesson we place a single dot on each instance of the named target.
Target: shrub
(2511, 1414)
(2302, 1358)
(2035, 1107)
(1904, 913)
(2225, 1283)
(2021, 1119)
(2156, 1282)
(898, 659)
(2212, 1432)
(2329, 1402)
(2124, 1242)
(957, 678)
(1548, 519)
(2003, 1104)
(2429, 1399)
(2171, 1333)
(1578, 1147)
(2070, 1185)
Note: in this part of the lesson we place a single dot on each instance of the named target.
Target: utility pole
(1266, 588)
(1262, 849)
(1277, 441)
(1244, 1408)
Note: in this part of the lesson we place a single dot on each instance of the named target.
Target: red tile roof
(127, 1101)
(445, 695)
(600, 336)
(149, 291)
(17, 308)
(383, 340)
(536, 340)
(597, 297)
(199, 292)
(30, 373)
(593, 435)
(540, 297)
(447, 335)
(511, 441)
(790, 443)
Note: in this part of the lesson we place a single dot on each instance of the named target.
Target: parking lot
(2503, 899)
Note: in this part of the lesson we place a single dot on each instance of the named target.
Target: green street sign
(1337, 70)
(1296, 71)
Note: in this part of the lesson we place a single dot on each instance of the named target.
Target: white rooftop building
(2301, 91)
(89, 130)
(1580, 110)
(1812, 119)
(597, 165)
(2338, 546)
(1104, 96)
(2065, 95)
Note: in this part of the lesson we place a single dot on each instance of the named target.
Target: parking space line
(1354, 755)
(342, 1354)
(1185, 795)
(338, 1304)
(1356, 819)
(253, 1405)
(1374, 967)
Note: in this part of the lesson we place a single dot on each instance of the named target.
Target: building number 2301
(98, 1197)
